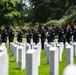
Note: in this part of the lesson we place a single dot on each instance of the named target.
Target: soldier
(68, 34)
(60, 34)
(43, 36)
(51, 34)
(29, 34)
(20, 34)
(74, 33)
(11, 34)
(35, 35)
(4, 34)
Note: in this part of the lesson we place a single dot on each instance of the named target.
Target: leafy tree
(45, 10)
(11, 11)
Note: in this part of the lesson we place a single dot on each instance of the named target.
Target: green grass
(43, 69)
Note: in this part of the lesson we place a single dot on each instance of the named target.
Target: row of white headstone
(33, 59)
(20, 53)
(54, 52)
(47, 47)
(4, 60)
(28, 55)
(18, 50)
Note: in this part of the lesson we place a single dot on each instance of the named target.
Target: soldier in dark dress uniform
(11, 33)
(60, 34)
(74, 33)
(29, 35)
(20, 34)
(35, 35)
(43, 36)
(51, 34)
(68, 34)
(4, 34)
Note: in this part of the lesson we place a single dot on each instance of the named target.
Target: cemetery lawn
(43, 69)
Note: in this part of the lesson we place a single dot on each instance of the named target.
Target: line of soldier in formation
(49, 33)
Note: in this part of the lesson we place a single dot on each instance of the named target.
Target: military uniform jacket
(43, 34)
(29, 33)
(68, 33)
(4, 35)
(19, 36)
(11, 35)
(60, 33)
(51, 34)
(36, 36)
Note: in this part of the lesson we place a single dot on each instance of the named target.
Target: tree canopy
(45, 10)
(39, 11)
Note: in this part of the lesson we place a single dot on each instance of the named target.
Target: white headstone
(31, 63)
(3, 49)
(62, 46)
(32, 45)
(1, 62)
(4, 65)
(69, 55)
(74, 47)
(59, 52)
(39, 45)
(53, 61)
(67, 44)
(38, 54)
(17, 43)
(28, 46)
(16, 53)
(45, 45)
(3, 44)
(24, 46)
(53, 44)
(12, 50)
(11, 47)
(21, 58)
(71, 43)
(47, 53)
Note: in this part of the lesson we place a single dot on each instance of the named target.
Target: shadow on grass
(16, 69)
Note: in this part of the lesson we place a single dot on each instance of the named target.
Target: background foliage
(37, 12)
